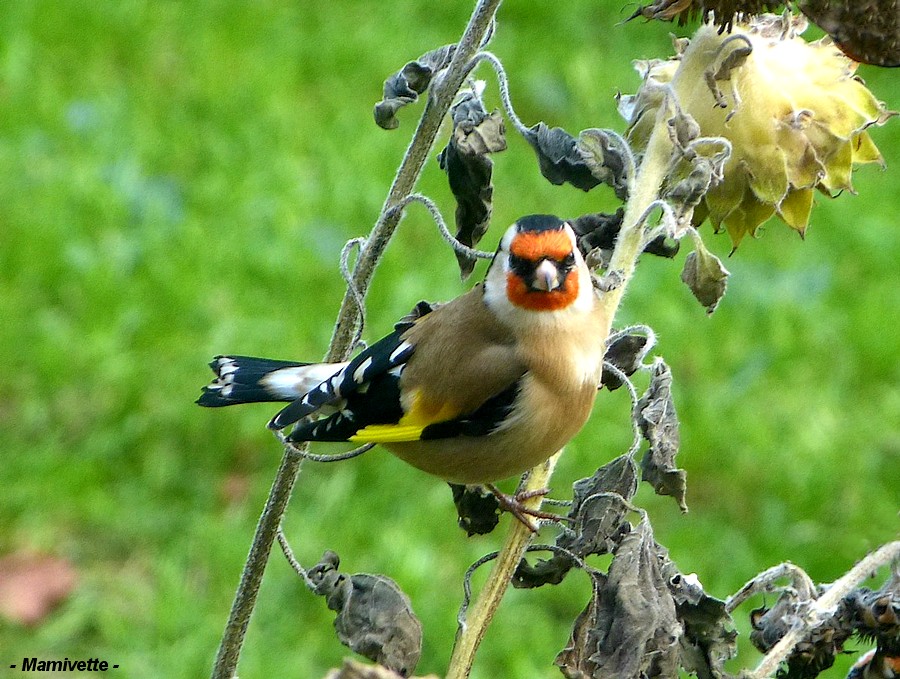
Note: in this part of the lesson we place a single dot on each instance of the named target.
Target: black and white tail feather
(320, 387)
(245, 379)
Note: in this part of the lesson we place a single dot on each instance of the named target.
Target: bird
(474, 390)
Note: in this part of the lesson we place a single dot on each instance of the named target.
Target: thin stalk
(419, 149)
(629, 245)
(823, 608)
(470, 634)
(642, 193)
(251, 577)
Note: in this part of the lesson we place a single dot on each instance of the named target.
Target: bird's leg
(514, 504)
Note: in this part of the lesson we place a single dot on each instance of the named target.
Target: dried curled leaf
(599, 507)
(604, 161)
(597, 232)
(575, 660)
(709, 637)
(478, 509)
(630, 628)
(405, 86)
(374, 617)
(626, 352)
(647, 619)
(704, 274)
(465, 160)
(698, 165)
(584, 162)
(658, 422)
(550, 571)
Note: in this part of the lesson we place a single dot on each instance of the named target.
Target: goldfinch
(476, 390)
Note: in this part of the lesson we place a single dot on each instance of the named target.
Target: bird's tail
(244, 379)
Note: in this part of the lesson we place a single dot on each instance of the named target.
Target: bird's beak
(546, 276)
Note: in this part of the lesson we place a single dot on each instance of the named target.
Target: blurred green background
(178, 180)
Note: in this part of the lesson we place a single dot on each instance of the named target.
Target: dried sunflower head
(724, 12)
(794, 113)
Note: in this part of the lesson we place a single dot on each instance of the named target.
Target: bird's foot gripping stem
(515, 505)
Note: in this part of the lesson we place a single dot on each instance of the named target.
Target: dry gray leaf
(405, 86)
(597, 230)
(575, 659)
(374, 617)
(709, 637)
(600, 230)
(646, 619)
(630, 629)
(584, 162)
(599, 507)
(465, 160)
(605, 162)
(478, 509)
(658, 422)
(625, 352)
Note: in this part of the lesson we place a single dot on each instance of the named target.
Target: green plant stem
(642, 192)
(437, 106)
(629, 245)
(470, 635)
(251, 577)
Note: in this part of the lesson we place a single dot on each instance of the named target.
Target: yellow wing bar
(422, 413)
(387, 433)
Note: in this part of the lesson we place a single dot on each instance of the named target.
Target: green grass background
(177, 180)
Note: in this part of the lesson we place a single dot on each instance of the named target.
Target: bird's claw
(515, 505)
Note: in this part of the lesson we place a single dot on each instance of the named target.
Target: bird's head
(538, 267)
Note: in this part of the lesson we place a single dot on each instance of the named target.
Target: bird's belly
(510, 451)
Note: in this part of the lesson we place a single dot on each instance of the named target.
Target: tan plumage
(479, 389)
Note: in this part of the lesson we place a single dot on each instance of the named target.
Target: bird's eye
(520, 265)
(569, 260)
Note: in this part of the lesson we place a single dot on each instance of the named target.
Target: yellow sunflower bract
(794, 112)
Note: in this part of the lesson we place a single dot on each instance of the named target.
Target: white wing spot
(359, 375)
(402, 348)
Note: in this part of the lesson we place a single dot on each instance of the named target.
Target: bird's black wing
(373, 364)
